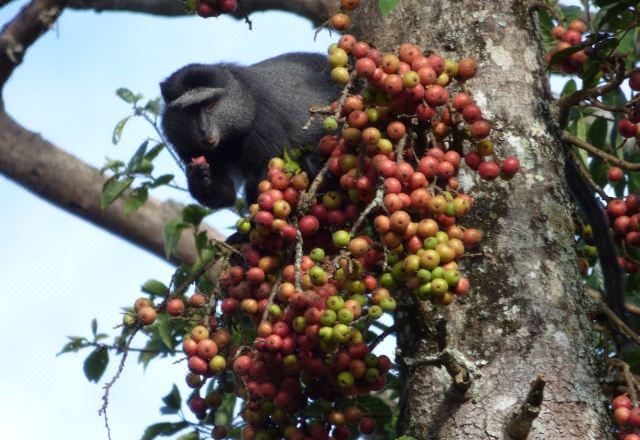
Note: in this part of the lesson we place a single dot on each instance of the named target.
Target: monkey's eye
(210, 104)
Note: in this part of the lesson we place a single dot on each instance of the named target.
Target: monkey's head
(205, 105)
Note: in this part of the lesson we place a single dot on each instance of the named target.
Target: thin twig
(107, 388)
(568, 137)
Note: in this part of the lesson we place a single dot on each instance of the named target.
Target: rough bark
(70, 184)
(315, 10)
(525, 315)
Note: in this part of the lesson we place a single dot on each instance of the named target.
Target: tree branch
(70, 184)
(568, 137)
(32, 21)
(315, 10)
(575, 98)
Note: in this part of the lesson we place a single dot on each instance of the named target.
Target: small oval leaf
(95, 364)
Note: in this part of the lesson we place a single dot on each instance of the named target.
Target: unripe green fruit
(341, 333)
(450, 68)
(340, 75)
(328, 317)
(410, 79)
(128, 320)
(430, 243)
(450, 210)
(439, 286)
(345, 380)
(355, 287)
(424, 291)
(325, 333)
(387, 281)
(388, 304)
(299, 324)
(217, 364)
(317, 255)
(341, 239)
(452, 276)
(275, 311)
(318, 276)
(371, 360)
(371, 375)
(424, 276)
(411, 264)
(442, 237)
(338, 58)
(331, 48)
(335, 303)
(372, 115)
(345, 316)
(438, 272)
(330, 124)
(384, 146)
(243, 226)
(398, 271)
(375, 312)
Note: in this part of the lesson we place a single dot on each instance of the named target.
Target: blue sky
(57, 272)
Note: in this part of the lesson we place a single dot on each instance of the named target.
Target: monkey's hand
(211, 186)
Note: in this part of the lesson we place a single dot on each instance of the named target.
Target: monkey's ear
(195, 96)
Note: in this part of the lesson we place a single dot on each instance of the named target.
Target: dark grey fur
(240, 117)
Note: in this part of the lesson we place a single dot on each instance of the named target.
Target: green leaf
(597, 133)
(117, 131)
(153, 106)
(569, 88)
(113, 188)
(172, 231)
(590, 73)
(190, 5)
(598, 170)
(581, 128)
(406, 437)
(153, 153)
(163, 429)
(386, 6)
(191, 436)
(162, 180)
(138, 197)
(615, 13)
(155, 287)
(138, 156)
(571, 12)
(163, 331)
(194, 214)
(74, 345)
(113, 165)
(127, 95)
(94, 327)
(172, 401)
(95, 364)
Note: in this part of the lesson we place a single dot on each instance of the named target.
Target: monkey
(239, 117)
(604, 242)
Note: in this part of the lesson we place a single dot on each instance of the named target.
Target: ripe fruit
(615, 174)
(147, 315)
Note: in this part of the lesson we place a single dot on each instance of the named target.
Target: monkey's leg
(212, 186)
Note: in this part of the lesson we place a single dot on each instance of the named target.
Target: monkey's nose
(212, 140)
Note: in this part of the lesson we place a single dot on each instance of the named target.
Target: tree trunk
(525, 314)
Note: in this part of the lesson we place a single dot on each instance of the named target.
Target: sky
(57, 272)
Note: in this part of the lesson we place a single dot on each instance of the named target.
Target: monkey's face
(207, 109)
(189, 122)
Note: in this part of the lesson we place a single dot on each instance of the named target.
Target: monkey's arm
(607, 248)
(211, 185)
